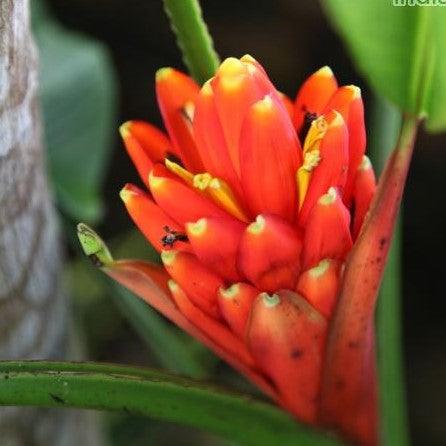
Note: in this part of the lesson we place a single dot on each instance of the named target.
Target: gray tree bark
(34, 321)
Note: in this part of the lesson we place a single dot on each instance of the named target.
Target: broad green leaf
(153, 394)
(78, 104)
(400, 50)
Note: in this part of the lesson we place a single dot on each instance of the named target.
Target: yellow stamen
(214, 188)
(180, 171)
(315, 134)
(222, 194)
(202, 180)
(311, 160)
(312, 155)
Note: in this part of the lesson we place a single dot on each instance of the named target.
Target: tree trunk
(33, 306)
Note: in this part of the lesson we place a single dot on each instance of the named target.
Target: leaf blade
(155, 394)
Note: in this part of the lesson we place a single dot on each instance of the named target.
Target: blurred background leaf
(78, 98)
(400, 50)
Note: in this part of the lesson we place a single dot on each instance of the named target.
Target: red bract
(254, 206)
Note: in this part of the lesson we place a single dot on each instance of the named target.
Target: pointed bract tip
(126, 193)
(320, 269)
(231, 66)
(154, 181)
(329, 197)
(206, 89)
(356, 91)
(270, 300)
(124, 129)
(230, 292)
(366, 164)
(163, 73)
(173, 286)
(168, 257)
(337, 120)
(93, 246)
(248, 59)
(265, 105)
(324, 71)
(257, 226)
(197, 228)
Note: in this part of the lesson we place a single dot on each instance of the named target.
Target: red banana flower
(254, 205)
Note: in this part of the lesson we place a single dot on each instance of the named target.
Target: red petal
(288, 104)
(235, 305)
(313, 95)
(145, 145)
(327, 234)
(210, 139)
(320, 284)
(215, 330)
(347, 101)
(269, 155)
(198, 282)
(236, 87)
(150, 219)
(148, 282)
(363, 191)
(331, 169)
(175, 92)
(178, 200)
(215, 242)
(269, 253)
(286, 336)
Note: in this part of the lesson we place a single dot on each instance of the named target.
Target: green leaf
(193, 38)
(400, 50)
(153, 394)
(385, 124)
(78, 104)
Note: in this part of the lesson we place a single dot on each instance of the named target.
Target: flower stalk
(351, 336)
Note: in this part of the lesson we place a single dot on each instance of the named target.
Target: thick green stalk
(154, 394)
(393, 414)
(193, 38)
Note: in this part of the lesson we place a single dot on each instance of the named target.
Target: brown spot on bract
(297, 353)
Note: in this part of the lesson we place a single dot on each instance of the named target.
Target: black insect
(172, 236)
(309, 117)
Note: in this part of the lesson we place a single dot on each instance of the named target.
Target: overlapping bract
(254, 205)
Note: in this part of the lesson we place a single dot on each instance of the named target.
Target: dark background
(291, 39)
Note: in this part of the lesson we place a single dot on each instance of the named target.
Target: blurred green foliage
(78, 98)
(400, 50)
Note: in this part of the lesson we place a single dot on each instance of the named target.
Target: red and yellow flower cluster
(254, 203)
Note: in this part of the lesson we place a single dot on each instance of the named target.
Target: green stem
(386, 121)
(154, 394)
(193, 38)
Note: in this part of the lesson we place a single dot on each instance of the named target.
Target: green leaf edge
(154, 394)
